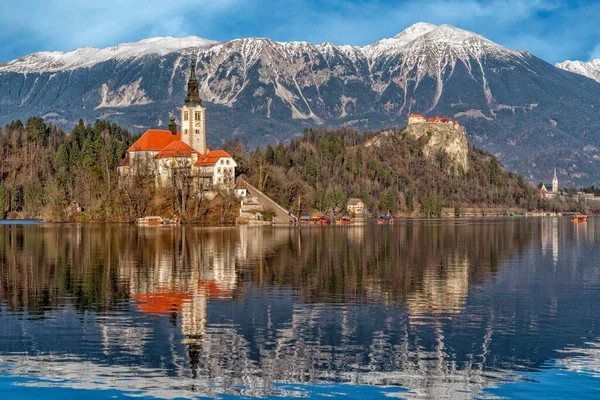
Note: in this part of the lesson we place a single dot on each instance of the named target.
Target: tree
(329, 201)
(387, 201)
(3, 202)
(431, 205)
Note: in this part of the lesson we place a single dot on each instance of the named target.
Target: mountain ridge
(590, 69)
(525, 111)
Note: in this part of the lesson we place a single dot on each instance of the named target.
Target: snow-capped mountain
(590, 69)
(513, 104)
(54, 61)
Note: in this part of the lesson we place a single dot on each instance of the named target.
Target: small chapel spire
(193, 95)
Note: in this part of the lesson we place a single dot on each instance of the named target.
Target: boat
(305, 220)
(385, 220)
(321, 220)
(318, 220)
(149, 221)
(580, 218)
(345, 220)
(157, 221)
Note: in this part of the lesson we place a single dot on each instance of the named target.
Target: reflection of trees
(405, 263)
(44, 266)
(263, 333)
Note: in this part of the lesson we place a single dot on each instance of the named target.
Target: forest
(323, 168)
(48, 173)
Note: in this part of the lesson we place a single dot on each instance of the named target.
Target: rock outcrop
(442, 137)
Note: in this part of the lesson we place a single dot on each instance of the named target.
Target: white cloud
(595, 53)
(550, 29)
(68, 24)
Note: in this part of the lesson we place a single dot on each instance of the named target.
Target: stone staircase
(282, 216)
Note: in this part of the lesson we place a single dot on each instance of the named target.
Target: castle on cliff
(171, 155)
(418, 118)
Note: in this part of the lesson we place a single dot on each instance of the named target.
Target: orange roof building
(154, 140)
(177, 148)
(418, 118)
(158, 151)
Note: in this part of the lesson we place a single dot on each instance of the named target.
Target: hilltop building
(418, 118)
(170, 155)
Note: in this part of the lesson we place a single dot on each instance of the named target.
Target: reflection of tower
(555, 183)
(555, 240)
(177, 276)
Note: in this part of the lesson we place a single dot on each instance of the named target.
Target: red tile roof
(177, 149)
(154, 140)
(212, 157)
(416, 116)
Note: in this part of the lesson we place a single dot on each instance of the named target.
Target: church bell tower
(193, 115)
(555, 183)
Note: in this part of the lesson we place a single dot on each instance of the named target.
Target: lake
(459, 309)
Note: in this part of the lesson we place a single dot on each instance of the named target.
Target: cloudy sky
(554, 30)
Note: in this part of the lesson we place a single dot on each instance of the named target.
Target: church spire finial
(193, 95)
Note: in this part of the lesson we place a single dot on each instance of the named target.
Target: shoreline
(367, 221)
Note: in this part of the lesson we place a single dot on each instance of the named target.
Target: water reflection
(444, 309)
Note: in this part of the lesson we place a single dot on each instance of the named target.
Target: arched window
(185, 115)
(197, 116)
(197, 131)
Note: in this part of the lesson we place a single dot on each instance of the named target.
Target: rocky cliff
(442, 137)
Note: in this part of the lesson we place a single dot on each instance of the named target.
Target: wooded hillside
(387, 170)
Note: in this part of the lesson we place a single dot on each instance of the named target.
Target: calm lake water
(423, 309)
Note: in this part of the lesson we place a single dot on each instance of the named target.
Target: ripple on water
(423, 309)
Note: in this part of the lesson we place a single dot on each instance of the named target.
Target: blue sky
(554, 30)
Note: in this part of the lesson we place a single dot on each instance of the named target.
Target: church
(171, 156)
(544, 193)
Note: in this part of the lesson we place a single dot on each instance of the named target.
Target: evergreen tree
(3, 202)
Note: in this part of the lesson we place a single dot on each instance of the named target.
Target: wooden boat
(318, 220)
(580, 218)
(305, 220)
(385, 220)
(321, 220)
(149, 221)
(157, 221)
(345, 220)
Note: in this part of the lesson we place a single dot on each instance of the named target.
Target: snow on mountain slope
(415, 39)
(88, 56)
(509, 101)
(407, 35)
(590, 69)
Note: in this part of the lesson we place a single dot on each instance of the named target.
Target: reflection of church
(179, 278)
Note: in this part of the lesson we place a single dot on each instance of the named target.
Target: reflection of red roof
(154, 140)
(170, 301)
(177, 149)
(160, 303)
(212, 157)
